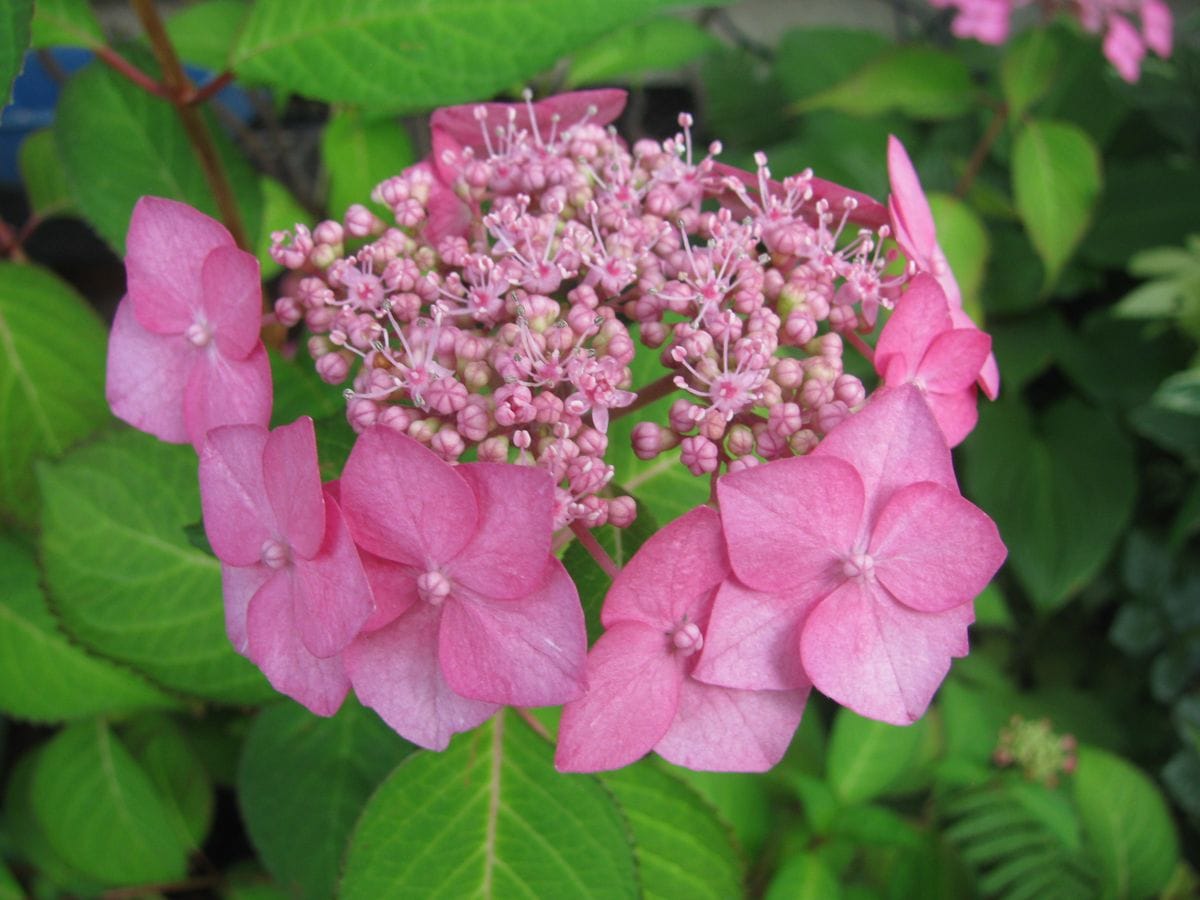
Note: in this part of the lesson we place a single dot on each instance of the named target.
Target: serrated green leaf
(65, 23)
(1129, 829)
(15, 21)
(964, 240)
(490, 817)
(1028, 69)
(204, 33)
(118, 142)
(101, 812)
(358, 153)
(681, 847)
(159, 746)
(407, 55)
(45, 677)
(804, 877)
(302, 783)
(1056, 182)
(52, 349)
(629, 53)
(43, 176)
(122, 574)
(866, 757)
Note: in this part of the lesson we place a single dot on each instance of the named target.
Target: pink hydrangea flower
(185, 355)
(476, 125)
(295, 591)
(642, 692)
(871, 530)
(474, 611)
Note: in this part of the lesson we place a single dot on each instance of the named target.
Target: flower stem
(592, 546)
(118, 63)
(980, 154)
(655, 390)
(860, 345)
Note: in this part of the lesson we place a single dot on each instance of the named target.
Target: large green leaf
(122, 574)
(52, 350)
(358, 154)
(302, 783)
(1061, 495)
(43, 176)
(1056, 182)
(45, 677)
(866, 757)
(804, 877)
(490, 817)
(593, 582)
(408, 55)
(1029, 68)
(179, 775)
(118, 142)
(632, 52)
(811, 60)
(14, 41)
(205, 33)
(964, 239)
(1129, 829)
(65, 23)
(101, 812)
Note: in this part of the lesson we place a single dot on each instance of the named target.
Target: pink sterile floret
(295, 590)
(920, 346)
(185, 356)
(474, 611)
(869, 529)
(642, 692)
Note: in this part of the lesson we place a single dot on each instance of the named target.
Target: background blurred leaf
(65, 23)
(811, 60)
(629, 53)
(358, 153)
(15, 21)
(964, 240)
(1029, 68)
(43, 176)
(1147, 203)
(160, 747)
(918, 81)
(204, 33)
(804, 877)
(866, 757)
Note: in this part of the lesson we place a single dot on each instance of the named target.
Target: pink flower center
(199, 334)
(860, 566)
(686, 638)
(275, 554)
(433, 587)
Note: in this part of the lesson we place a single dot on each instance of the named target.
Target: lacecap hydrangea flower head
(483, 335)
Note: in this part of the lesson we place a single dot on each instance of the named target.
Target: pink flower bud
(333, 368)
(448, 444)
(494, 449)
(328, 232)
(288, 311)
(699, 454)
(548, 408)
(423, 430)
(446, 395)
(476, 375)
(654, 334)
(361, 222)
(740, 441)
(684, 415)
(591, 442)
(621, 511)
(768, 444)
(788, 373)
(362, 413)
(849, 390)
(803, 441)
(744, 462)
(785, 419)
(830, 416)
(398, 418)
(473, 420)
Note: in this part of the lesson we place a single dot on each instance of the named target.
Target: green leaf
(1028, 69)
(122, 574)
(45, 677)
(1129, 829)
(52, 349)
(14, 41)
(299, 390)
(407, 55)
(866, 757)
(1056, 180)
(591, 581)
(358, 153)
(964, 240)
(629, 54)
(162, 750)
(302, 783)
(804, 877)
(741, 799)
(10, 888)
(918, 81)
(811, 60)
(204, 33)
(1060, 496)
(65, 23)
(1147, 203)
(118, 142)
(1027, 346)
(681, 847)
(101, 811)
(1180, 393)
(489, 817)
(43, 176)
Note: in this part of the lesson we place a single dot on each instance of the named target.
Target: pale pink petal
(933, 549)
(332, 597)
(956, 414)
(598, 107)
(1157, 26)
(232, 300)
(506, 557)
(1124, 48)
(146, 376)
(395, 672)
(221, 391)
(672, 575)
(989, 374)
(752, 641)
(393, 585)
(293, 485)
(789, 522)
(526, 652)
(275, 647)
(633, 691)
(165, 251)
(239, 584)
(921, 314)
(404, 503)
(953, 360)
(237, 515)
(911, 214)
(876, 656)
(719, 729)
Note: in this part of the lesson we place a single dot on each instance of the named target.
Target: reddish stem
(210, 90)
(592, 546)
(655, 390)
(118, 63)
(860, 345)
(980, 154)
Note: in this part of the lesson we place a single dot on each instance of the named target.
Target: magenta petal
(146, 376)
(878, 657)
(232, 299)
(237, 514)
(922, 313)
(221, 391)
(393, 585)
(404, 503)
(506, 557)
(956, 414)
(276, 648)
(526, 652)
(633, 691)
(933, 549)
(333, 599)
(789, 522)
(916, 219)
(395, 671)
(867, 211)
(752, 641)
(989, 374)
(719, 729)
(954, 359)
(165, 251)
(599, 107)
(239, 584)
(672, 575)
(293, 486)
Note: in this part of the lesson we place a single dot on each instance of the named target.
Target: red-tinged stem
(860, 345)
(10, 244)
(529, 719)
(118, 63)
(980, 154)
(592, 546)
(187, 884)
(181, 91)
(210, 90)
(655, 390)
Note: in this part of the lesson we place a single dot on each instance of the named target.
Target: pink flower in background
(295, 591)
(872, 526)
(642, 692)
(185, 355)
(474, 610)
